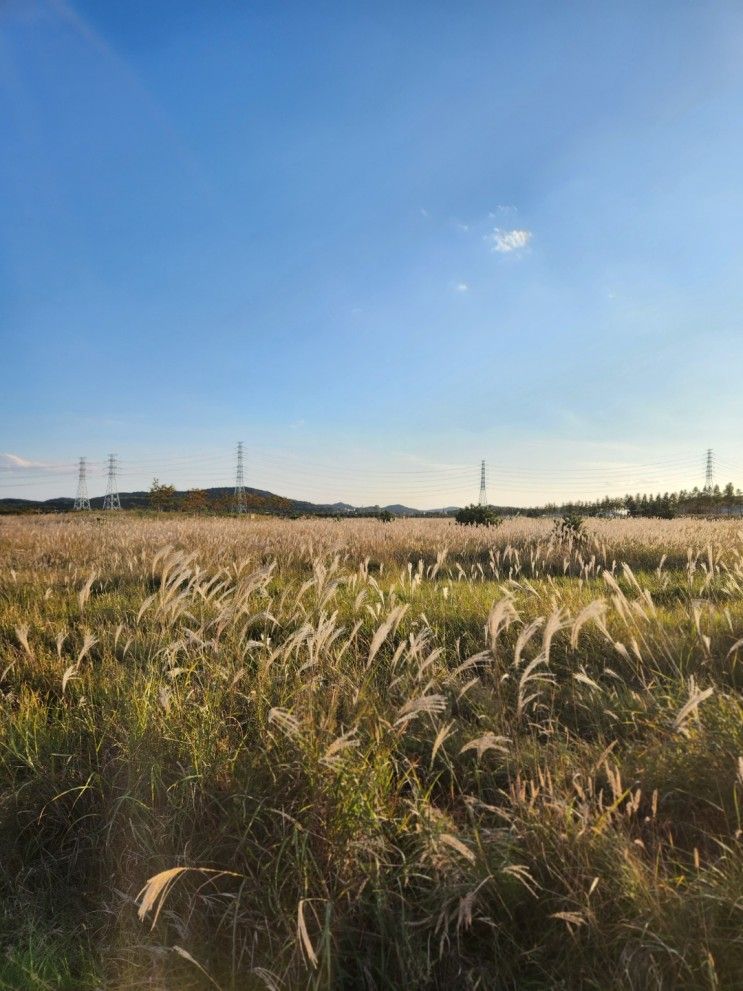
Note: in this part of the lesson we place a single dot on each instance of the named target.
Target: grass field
(245, 754)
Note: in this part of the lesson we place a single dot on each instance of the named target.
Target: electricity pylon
(483, 499)
(81, 499)
(709, 472)
(111, 499)
(240, 500)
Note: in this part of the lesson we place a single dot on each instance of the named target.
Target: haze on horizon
(376, 242)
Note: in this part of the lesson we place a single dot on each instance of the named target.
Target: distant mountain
(258, 501)
(396, 509)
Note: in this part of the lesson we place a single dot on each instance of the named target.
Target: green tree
(162, 497)
(478, 516)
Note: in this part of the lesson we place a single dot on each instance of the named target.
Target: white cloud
(8, 460)
(506, 241)
(462, 287)
(14, 462)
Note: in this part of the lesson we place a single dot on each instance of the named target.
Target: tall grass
(319, 754)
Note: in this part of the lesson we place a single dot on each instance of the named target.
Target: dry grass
(350, 754)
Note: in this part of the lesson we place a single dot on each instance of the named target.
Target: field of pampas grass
(274, 754)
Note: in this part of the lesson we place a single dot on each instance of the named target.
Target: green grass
(375, 773)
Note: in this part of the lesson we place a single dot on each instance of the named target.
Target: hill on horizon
(220, 499)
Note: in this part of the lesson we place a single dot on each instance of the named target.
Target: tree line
(686, 502)
(705, 502)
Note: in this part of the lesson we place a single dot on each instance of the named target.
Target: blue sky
(378, 242)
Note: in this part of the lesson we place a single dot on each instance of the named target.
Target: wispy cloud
(462, 287)
(14, 462)
(8, 460)
(504, 241)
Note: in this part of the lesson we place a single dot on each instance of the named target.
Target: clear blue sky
(376, 241)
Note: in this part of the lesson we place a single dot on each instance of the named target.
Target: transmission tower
(709, 471)
(111, 499)
(81, 499)
(483, 499)
(240, 500)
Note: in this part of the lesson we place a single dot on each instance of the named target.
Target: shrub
(478, 516)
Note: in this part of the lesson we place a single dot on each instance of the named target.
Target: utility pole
(111, 499)
(483, 498)
(709, 473)
(240, 500)
(81, 499)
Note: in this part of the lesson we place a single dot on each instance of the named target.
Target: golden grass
(351, 754)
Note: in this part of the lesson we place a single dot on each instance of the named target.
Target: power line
(297, 463)
(448, 471)
(432, 483)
